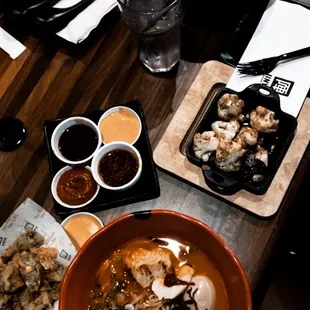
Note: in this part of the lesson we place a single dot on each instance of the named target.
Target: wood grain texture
(54, 79)
(167, 154)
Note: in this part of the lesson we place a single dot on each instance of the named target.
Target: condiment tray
(147, 187)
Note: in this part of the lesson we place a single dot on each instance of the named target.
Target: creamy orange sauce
(80, 228)
(121, 125)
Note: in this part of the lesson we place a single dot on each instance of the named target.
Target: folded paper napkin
(10, 45)
(284, 27)
(81, 26)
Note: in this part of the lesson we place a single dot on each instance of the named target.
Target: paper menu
(284, 27)
(30, 215)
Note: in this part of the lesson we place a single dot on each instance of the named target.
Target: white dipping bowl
(79, 213)
(54, 189)
(74, 235)
(115, 109)
(111, 147)
(76, 120)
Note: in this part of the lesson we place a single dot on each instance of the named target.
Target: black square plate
(147, 187)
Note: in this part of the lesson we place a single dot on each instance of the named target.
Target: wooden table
(52, 79)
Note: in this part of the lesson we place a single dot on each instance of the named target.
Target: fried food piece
(56, 275)
(147, 265)
(225, 130)
(47, 257)
(54, 292)
(8, 253)
(228, 155)
(46, 285)
(5, 301)
(25, 297)
(263, 120)
(15, 260)
(42, 302)
(247, 135)
(229, 106)
(16, 306)
(30, 275)
(2, 267)
(52, 289)
(205, 144)
(30, 269)
(10, 279)
(27, 240)
(2, 264)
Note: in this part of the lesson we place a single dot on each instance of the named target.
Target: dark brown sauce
(118, 167)
(78, 142)
(172, 280)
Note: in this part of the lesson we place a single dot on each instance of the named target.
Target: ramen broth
(117, 280)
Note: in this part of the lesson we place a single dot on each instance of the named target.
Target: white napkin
(81, 26)
(284, 27)
(10, 45)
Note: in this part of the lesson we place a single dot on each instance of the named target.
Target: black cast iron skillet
(228, 183)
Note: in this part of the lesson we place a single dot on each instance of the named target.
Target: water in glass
(156, 27)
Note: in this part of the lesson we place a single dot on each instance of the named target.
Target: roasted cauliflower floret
(247, 135)
(225, 130)
(228, 155)
(263, 120)
(262, 155)
(229, 106)
(204, 144)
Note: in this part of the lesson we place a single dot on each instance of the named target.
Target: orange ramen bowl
(81, 274)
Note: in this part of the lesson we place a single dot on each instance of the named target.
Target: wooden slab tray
(169, 157)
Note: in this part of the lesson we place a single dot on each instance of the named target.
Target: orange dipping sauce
(80, 228)
(76, 186)
(121, 125)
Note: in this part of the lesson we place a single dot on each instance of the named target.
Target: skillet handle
(221, 182)
(266, 92)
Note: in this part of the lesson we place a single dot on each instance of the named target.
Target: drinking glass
(155, 25)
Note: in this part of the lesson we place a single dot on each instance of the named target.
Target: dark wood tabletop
(54, 79)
